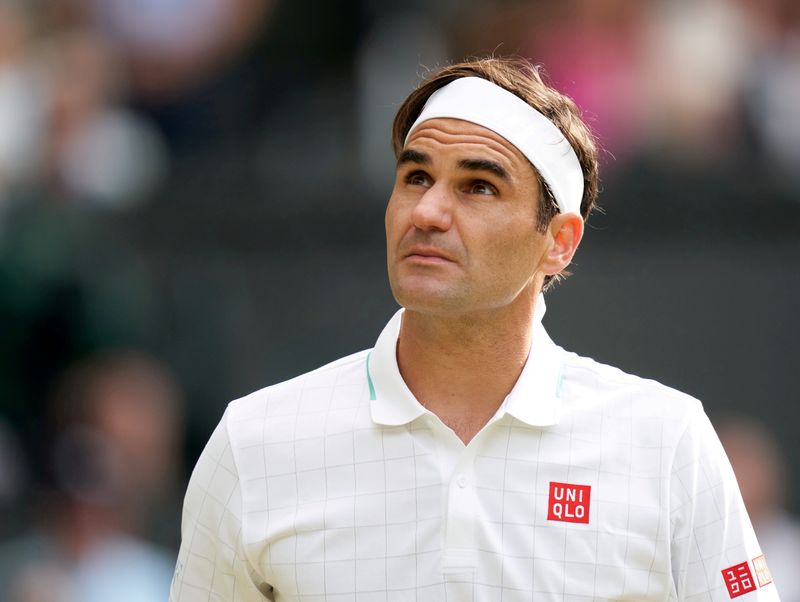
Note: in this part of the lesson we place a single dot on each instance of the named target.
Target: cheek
(511, 254)
(394, 230)
(390, 221)
(389, 215)
(396, 218)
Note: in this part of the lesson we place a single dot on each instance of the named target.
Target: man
(466, 456)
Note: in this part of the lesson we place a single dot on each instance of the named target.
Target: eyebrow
(413, 156)
(484, 165)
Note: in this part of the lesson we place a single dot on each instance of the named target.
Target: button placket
(457, 463)
(461, 509)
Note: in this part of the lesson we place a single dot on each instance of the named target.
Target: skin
(466, 261)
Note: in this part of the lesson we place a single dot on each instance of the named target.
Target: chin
(424, 300)
(451, 301)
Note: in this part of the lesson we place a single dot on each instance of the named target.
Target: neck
(462, 367)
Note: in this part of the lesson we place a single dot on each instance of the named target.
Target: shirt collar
(391, 401)
(534, 399)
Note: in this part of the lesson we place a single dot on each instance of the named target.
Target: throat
(465, 424)
(462, 372)
(464, 396)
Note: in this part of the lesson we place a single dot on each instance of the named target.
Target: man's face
(461, 222)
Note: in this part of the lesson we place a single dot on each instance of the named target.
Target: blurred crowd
(153, 109)
(108, 471)
(98, 96)
(691, 81)
(71, 72)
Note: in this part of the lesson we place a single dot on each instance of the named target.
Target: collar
(534, 399)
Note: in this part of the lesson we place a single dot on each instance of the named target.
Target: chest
(553, 512)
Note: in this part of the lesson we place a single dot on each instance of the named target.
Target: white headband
(481, 102)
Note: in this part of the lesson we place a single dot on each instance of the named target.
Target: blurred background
(191, 208)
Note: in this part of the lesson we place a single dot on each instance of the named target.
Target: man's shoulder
(584, 377)
(338, 385)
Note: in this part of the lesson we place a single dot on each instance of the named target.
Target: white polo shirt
(587, 484)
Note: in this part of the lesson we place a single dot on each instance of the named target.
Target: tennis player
(467, 457)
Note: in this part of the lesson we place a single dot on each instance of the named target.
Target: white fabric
(339, 485)
(479, 101)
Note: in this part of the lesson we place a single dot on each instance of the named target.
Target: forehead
(456, 137)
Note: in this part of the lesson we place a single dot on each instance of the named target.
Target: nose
(433, 210)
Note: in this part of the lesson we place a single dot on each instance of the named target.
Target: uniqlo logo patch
(569, 503)
(738, 580)
(762, 571)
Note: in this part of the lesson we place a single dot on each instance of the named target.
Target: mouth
(427, 255)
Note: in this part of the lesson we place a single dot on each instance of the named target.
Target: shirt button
(461, 482)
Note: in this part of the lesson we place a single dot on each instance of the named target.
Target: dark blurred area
(191, 208)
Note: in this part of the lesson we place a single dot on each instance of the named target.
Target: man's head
(524, 80)
(496, 178)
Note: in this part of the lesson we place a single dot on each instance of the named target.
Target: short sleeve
(212, 565)
(715, 554)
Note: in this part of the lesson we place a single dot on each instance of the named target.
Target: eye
(418, 178)
(482, 188)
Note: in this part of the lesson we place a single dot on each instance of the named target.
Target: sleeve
(714, 552)
(212, 565)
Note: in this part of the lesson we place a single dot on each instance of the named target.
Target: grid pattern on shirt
(211, 563)
(300, 490)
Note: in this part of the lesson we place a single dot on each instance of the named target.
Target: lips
(427, 254)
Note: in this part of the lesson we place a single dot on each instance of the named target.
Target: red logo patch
(738, 580)
(569, 503)
(762, 571)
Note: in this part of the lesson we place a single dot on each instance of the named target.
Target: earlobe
(566, 232)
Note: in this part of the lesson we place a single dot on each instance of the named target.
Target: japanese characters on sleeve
(715, 554)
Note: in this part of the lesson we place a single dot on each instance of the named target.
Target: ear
(565, 233)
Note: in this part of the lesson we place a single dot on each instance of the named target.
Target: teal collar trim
(369, 380)
(560, 383)
(391, 401)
